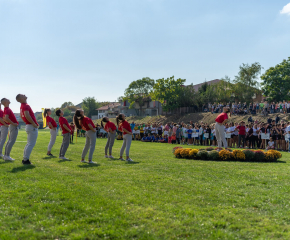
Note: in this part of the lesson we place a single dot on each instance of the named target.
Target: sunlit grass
(158, 197)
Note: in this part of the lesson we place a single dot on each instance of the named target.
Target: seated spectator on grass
(271, 144)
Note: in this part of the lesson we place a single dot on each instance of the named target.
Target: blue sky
(58, 50)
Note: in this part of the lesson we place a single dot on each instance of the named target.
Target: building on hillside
(110, 110)
(197, 86)
(79, 105)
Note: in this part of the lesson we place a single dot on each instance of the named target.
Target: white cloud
(286, 9)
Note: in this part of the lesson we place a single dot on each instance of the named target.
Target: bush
(177, 153)
(213, 155)
(203, 155)
(173, 150)
(239, 155)
(225, 155)
(272, 155)
(193, 153)
(249, 154)
(259, 156)
(185, 152)
(209, 149)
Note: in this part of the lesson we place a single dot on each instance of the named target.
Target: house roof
(111, 105)
(197, 86)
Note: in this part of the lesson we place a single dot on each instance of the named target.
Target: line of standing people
(8, 123)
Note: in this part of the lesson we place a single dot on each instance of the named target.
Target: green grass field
(158, 197)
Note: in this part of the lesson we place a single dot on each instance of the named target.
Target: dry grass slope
(198, 117)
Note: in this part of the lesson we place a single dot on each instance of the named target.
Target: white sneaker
(64, 158)
(129, 160)
(110, 157)
(1, 155)
(106, 156)
(8, 158)
(122, 159)
(83, 161)
(90, 161)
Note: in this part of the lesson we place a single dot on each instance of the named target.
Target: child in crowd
(189, 135)
(173, 138)
(271, 144)
(169, 135)
(185, 135)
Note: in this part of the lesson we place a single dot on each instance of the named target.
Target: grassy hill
(198, 117)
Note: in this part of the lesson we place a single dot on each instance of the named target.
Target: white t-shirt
(271, 144)
(184, 131)
(200, 131)
(255, 132)
(213, 132)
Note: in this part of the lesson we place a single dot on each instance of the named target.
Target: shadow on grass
(89, 165)
(132, 163)
(64, 160)
(49, 157)
(22, 168)
(5, 162)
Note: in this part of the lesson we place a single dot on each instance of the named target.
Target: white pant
(90, 144)
(4, 133)
(53, 134)
(220, 135)
(12, 139)
(32, 134)
(127, 139)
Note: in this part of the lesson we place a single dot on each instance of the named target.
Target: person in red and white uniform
(3, 131)
(110, 128)
(31, 128)
(220, 128)
(83, 122)
(66, 131)
(10, 119)
(50, 122)
(125, 128)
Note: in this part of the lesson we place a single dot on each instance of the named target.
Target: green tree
(224, 90)
(276, 82)
(66, 104)
(90, 106)
(168, 92)
(139, 92)
(246, 83)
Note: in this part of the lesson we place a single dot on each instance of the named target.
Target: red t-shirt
(50, 120)
(63, 121)
(25, 107)
(242, 130)
(11, 116)
(85, 123)
(221, 117)
(125, 125)
(110, 125)
(1, 116)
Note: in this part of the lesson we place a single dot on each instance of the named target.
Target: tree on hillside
(223, 90)
(90, 105)
(167, 91)
(206, 94)
(66, 104)
(276, 81)
(246, 83)
(138, 92)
